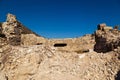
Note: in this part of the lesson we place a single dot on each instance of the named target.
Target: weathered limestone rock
(13, 30)
(32, 39)
(106, 39)
(40, 63)
(103, 27)
(57, 59)
(73, 44)
(17, 34)
(11, 18)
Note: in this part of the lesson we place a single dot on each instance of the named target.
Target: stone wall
(74, 44)
(106, 39)
(17, 34)
(15, 31)
(32, 39)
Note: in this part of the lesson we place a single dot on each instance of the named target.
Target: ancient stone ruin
(24, 55)
(106, 38)
(103, 40)
(17, 34)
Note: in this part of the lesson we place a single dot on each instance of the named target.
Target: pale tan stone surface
(32, 57)
(39, 62)
(17, 34)
(107, 40)
(75, 44)
(32, 39)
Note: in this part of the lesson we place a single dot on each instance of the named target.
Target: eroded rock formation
(26, 56)
(14, 32)
(106, 38)
(17, 34)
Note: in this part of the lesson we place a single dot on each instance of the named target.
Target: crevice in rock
(2, 36)
(60, 45)
(117, 76)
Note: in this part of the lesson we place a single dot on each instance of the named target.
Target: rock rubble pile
(21, 59)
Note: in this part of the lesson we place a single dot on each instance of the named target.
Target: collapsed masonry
(79, 45)
(106, 38)
(38, 62)
(16, 33)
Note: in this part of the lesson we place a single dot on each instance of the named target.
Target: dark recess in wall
(60, 45)
(117, 76)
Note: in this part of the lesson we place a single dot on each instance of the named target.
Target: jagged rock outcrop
(13, 30)
(106, 38)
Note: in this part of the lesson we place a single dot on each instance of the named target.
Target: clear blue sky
(62, 18)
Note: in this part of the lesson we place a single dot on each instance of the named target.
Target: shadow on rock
(117, 76)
